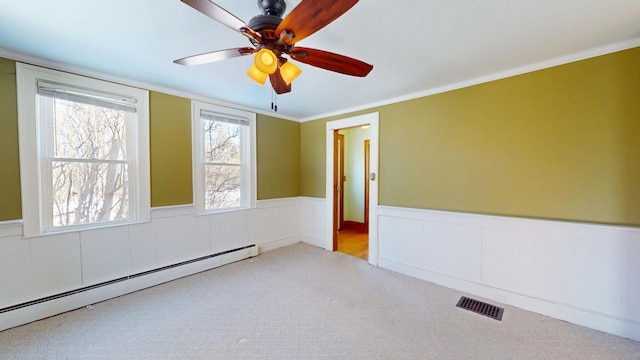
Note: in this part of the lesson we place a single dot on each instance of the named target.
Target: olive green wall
(170, 149)
(10, 202)
(278, 151)
(313, 156)
(560, 143)
(278, 157)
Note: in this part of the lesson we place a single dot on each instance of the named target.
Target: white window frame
(32, 134)
(248, 156)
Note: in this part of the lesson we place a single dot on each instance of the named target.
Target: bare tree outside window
(223, 165)
(89, 168)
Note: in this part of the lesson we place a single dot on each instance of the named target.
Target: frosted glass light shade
(289, 72)
(266, 61)
(257, 75)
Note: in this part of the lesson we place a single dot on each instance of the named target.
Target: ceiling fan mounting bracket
(272, 7)
(269, 20)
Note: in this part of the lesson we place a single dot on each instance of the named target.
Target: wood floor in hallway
(354, 243)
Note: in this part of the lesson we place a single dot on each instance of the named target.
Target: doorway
(370, 178)
(351, 171)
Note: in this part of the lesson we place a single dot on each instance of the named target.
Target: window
(83, 151)
(224, 165)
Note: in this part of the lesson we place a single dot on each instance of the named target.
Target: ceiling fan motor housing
(264, 22)
(271, 17)
(272, 7)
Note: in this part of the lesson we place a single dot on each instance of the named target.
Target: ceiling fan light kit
(266, 61)
(289, 72)
(273, 37)
(257, 75)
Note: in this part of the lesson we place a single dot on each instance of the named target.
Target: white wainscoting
(313, 225)
(586, 274)
(582, 273)
(40, 267)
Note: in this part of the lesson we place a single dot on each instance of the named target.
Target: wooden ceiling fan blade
(331, 61)
(222, 16)
(278, 83)
(215, 56)
(312, 15)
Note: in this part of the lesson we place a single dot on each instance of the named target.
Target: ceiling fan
(273, 37)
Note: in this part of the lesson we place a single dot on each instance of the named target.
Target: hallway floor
(354, 243)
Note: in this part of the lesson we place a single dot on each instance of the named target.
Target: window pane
(85, 193)
(83, 131)
(222, 186)
(221, 142)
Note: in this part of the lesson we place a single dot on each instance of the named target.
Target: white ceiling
(415, 45)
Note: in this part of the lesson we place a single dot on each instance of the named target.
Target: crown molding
(562, 60)
(566, 59)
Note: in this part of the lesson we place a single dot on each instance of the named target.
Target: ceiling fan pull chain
(274, 101)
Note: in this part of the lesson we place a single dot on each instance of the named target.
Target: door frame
(337, 179)
(367, 183)
(372, 120)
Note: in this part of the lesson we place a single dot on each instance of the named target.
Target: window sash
(202, 113)
(87, 206)
(243, 160)
(36, 144)
(47, 120)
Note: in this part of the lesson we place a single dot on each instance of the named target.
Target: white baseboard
(313, 240)
(603, 322)
(578, 272)
(52, 307)
(276, 244)
(44, 268)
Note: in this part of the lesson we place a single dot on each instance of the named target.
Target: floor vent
(481, 308)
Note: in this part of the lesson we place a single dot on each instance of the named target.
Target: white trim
(594, 320)
(279, 243)
(578, 272)
(494, 220)
(8, 54)
(371, 119)
(33, 170)
(10, 228)
(583, 55)
(39, 311)
(252, 177)
(599, 51)
(313, 240)
(271, 203)
(313, 201)
(248, 161)
(162, 212)
(175, 234)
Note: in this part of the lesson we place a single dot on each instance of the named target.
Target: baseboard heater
(253, 247)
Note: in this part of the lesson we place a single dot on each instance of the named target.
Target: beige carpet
(302, 302)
